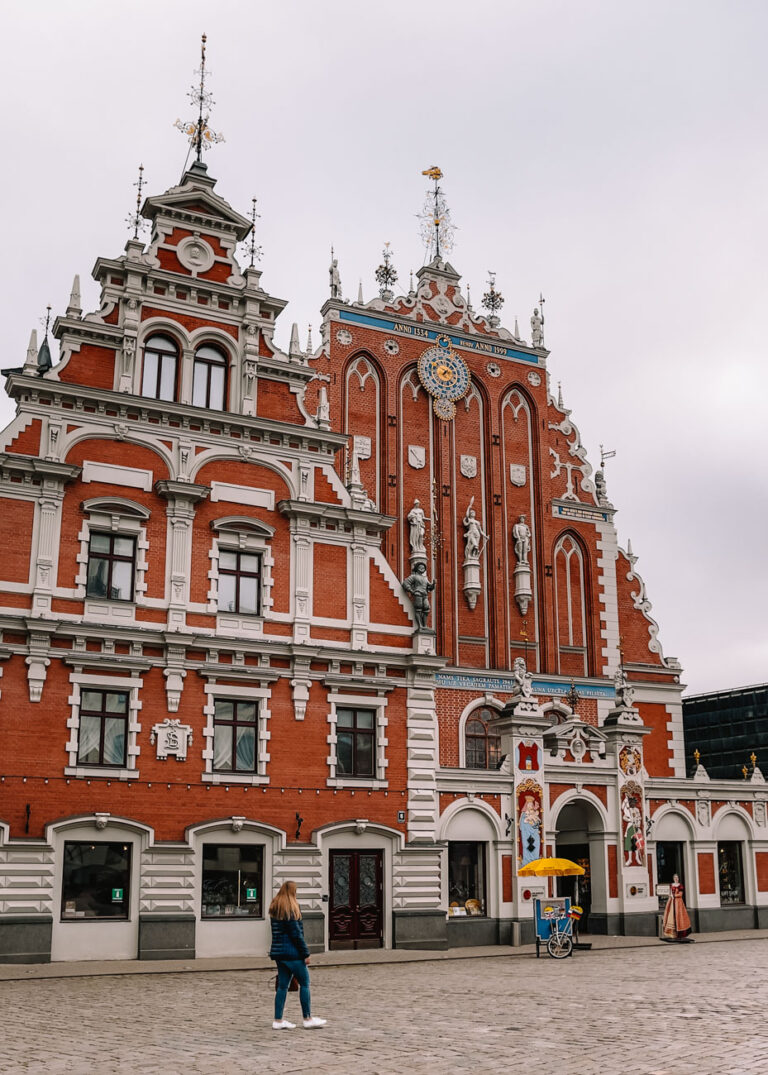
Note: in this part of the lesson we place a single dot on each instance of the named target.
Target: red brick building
(213, 678)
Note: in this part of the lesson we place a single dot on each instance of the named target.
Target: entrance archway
(579, 835)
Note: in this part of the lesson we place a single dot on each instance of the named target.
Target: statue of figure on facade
(537, 328)
(624, 693)
(521, 534)
(523, 679)
(335, 277)
(417, 528)
(418, 587)
(473, 534)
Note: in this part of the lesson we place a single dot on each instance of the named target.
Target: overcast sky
(611, 155)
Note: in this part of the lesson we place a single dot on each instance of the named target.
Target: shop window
(234, 735)
(355, 742)
(730, 870)
(111, 566)
(209, 380)
(466, 878)
(161, 360)
(96, 880)
(103, 728)
(669, 861)
(483, 748)
(233, 881)
(239, 582)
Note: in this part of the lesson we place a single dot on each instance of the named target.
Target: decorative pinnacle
(572, 698)
(753, 759)
(46, 321)
(493, 300)
(436, 226)
(697, 755)
(386, 273)
(744, 771)
(199, 133)
(252, 249)
(135, 220)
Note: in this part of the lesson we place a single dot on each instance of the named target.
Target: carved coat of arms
(468, 466)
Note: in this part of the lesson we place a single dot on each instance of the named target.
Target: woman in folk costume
(677, 924)
(291, 954)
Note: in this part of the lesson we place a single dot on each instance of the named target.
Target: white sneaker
(313, 1021)
(283, 1024)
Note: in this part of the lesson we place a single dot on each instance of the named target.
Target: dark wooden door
(356, 911)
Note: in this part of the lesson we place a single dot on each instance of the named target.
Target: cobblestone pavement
(693, 1009)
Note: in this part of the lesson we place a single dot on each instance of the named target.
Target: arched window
(483, 748)
(210, 378)
(161, 359)
(571, 607)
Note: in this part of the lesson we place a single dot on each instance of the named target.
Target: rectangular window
(232, 881)
(96, 880)
(355, 742)
(239, 582)
(466, 878)
(103, 728)
(234, 736)
(111, 565)
(730, 870)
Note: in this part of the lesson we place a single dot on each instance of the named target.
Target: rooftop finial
(436, 226)
(252, 248)
(605, 455)
(493, 300)
(386, 275)
(199, 133)
(44, 361)
(135, 220)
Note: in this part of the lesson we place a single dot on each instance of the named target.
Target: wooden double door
(356, 911)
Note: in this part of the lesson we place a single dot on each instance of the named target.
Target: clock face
(445, 376)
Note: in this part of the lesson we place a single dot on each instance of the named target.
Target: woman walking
(290, 952)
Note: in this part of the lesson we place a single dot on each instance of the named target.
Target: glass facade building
(726, 727)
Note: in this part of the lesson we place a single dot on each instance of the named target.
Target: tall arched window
(210, 378)
(161, 360)
(483, 747)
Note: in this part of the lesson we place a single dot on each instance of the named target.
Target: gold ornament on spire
(200, 135)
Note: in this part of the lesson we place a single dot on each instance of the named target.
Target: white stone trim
(229, 538)
(261, 695)
(608, 554)
(360, 701)
(118, 521)
(242, 494)
(113, 474)
(131, 684)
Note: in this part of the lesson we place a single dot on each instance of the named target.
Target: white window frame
(238, 533)
(113, 515)
(359, 701)
(261, 695)
(130, 684)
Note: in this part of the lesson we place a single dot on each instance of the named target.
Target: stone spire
(294, 348)
(30, 363)
(74, 307)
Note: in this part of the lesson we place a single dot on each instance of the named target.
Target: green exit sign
(250, 894)
(117, 895)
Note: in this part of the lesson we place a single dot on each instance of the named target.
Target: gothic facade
(356, 616)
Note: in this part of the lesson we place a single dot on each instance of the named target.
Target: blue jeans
(287, 969)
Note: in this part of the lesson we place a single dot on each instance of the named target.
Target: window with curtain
(234, 736)
(111, 566)
(209, 381)
(161, 360)
(239, 582)
(103, 728)
(483, 747)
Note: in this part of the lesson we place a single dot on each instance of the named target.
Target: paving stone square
(692, 1009)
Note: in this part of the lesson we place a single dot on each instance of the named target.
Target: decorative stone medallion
(344, 336)
(494, 369)
(392, 347)
(195, 254)
(468, 466)
(534, 378)
(517, 474)
(417, 456)
(172, 738)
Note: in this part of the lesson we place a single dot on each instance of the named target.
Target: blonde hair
(285, 904)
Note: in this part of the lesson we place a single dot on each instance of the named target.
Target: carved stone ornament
(237, 822)
(517, 474)
(534, 378)
(101, 820)
(195, 254)
(172, 738)
(494, 369)
(344, 336)
(362, 447)
(759, 813)
(417, 456)
(702, 812)
(468, 466)
(392, 347)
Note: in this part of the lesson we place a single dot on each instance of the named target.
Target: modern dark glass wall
(726, 727)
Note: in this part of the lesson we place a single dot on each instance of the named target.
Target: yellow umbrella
(550, 868)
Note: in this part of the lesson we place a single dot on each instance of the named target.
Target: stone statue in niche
(521, 534)
(417, 529)
(418, 587)
(473, 534)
